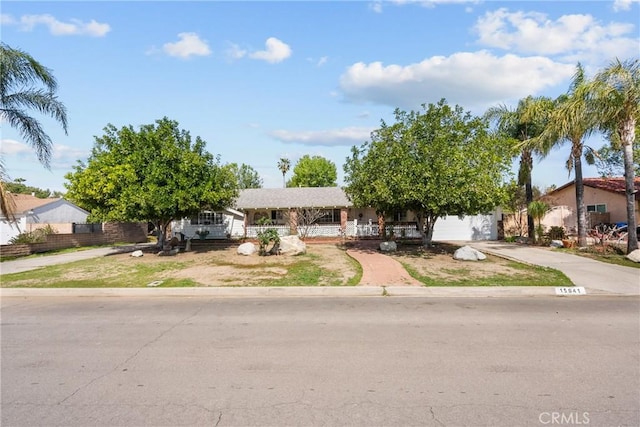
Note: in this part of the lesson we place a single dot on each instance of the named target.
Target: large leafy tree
(610, 161)
(570, 122)
(313, 171)
(25, 85)
(155, 174)
(246, 176)
(616, 105)
(441, 161)
(522, 123)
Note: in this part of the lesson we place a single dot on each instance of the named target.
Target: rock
(246, 249)
(154, 284)
(634, 255)
(137, 254)
(467, 253)
(556, 244)
(388, 246)
(292, 245)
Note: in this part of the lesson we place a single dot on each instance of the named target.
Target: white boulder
(247, 249)
(467, 253)
(634, 255)
(292, 245)
(388, 246)
(137, 254)
(556, 244)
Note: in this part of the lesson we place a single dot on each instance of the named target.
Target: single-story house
(32, 213)
(337, 217)
(605, 200)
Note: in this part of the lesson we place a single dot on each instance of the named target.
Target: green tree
(284, 165)
(25, 84)
(246, 176)
(571, 121)
(538, 209)
(438, 162)
(610, 161)
(18, 186)
(616, 105)
(155, 174)
(314, 171)
(521, 124)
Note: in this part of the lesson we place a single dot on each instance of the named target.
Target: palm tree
(538, 209)
(284, 165)
(523, 123)
(21, 78)
(616, 103)
(571, 121)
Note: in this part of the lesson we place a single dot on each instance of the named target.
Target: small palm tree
(284, 165)
(538, 209)
(21, 78)
(616, 103)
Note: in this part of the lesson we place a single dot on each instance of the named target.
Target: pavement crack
(433, 416)
(219, 418)
(142, 347)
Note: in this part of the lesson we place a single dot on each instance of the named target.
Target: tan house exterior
(604, 199)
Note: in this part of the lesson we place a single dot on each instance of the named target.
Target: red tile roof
(615, 185)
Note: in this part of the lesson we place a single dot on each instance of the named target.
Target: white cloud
(471, 79)
(569, 37)
(10, 147)
(6, 19)
(276, 51)
(330, 138)
(622, 5)
(376, 6)
(190, 44)
(235, 52)
(58, 28)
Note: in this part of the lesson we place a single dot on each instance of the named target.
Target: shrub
(556, 233)
(36, 236)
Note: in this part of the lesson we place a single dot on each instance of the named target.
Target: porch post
(293, 222)
(246, 223)
(381, 230)
(343, 220)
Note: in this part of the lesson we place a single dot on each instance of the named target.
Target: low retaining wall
(112, 232)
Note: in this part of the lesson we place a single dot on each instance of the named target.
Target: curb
(293, 291)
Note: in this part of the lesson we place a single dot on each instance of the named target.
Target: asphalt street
(369, 361)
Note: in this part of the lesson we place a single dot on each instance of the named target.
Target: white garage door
(475, 227)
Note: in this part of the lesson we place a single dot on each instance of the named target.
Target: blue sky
(263, 80)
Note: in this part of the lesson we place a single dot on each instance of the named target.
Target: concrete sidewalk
(595, 276)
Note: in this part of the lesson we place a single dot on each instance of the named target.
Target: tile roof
(297, 197)
(615, 185)
(27, 202)
(612, 184)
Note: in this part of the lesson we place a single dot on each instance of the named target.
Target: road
(368, 361)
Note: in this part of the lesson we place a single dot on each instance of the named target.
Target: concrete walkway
(595, 276)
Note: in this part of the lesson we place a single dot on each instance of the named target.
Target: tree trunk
(627, 136)
(425, 224)
(580, 207)
(524, 177)
(531, 226)
(162, 230)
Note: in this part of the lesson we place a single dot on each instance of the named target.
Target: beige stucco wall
(564, 206)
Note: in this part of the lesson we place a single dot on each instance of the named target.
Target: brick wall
(112, 232)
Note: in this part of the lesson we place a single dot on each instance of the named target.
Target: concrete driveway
(596, 276)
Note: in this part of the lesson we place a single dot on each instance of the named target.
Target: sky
(263, 80)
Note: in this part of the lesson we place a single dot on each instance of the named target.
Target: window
(208, 218)
(330, 216)
(400, 216)
(276, 216)
(601, 208)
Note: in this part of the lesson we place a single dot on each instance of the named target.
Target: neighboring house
(339, 217)
(33, 213)
(605, 200)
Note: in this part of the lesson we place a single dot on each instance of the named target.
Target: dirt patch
(437, 263)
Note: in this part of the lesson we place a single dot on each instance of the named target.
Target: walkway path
(379, 269)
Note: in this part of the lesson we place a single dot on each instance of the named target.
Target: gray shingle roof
(298, 197)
